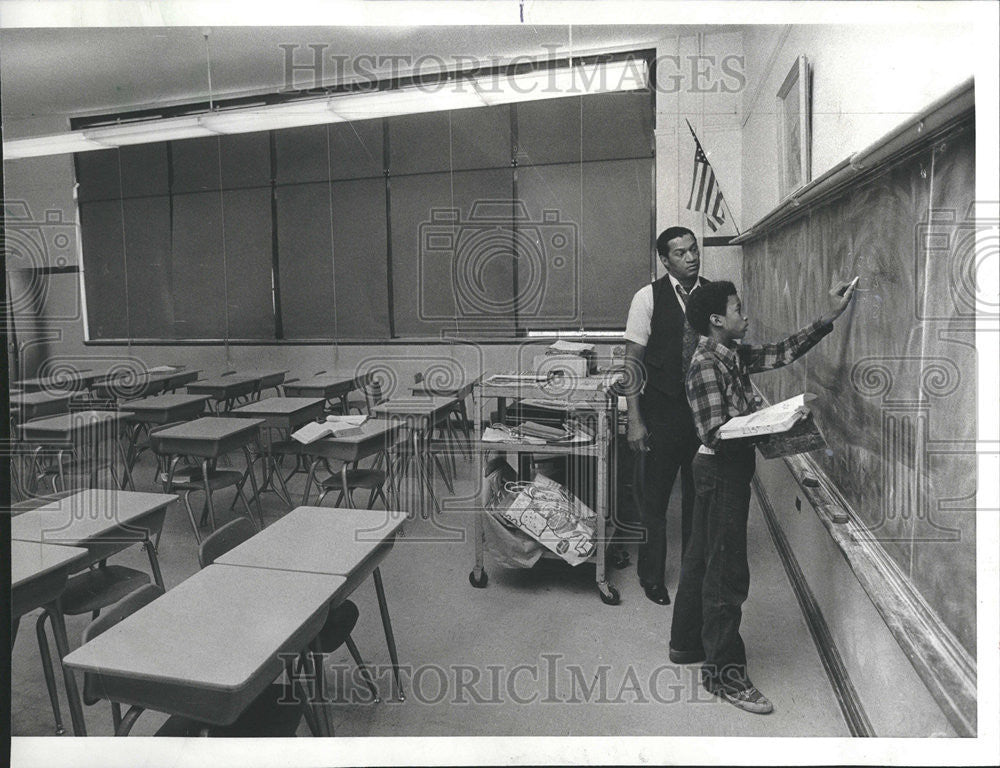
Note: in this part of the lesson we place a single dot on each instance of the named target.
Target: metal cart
(588, 396)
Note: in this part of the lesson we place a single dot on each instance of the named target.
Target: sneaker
(747, 699)
(686, 657)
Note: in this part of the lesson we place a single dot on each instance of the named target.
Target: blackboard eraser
(837, 514)
(810, 481)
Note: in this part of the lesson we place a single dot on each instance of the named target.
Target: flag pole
(724, 201)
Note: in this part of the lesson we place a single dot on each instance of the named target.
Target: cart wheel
(481, 583)
(611, 597)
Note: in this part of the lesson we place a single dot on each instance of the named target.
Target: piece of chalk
(846, 288)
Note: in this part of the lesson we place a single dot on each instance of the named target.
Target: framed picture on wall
(794, 128)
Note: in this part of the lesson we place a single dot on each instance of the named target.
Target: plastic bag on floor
(550, 515)
(509, 546)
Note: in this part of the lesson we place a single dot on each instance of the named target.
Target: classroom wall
(865, 81)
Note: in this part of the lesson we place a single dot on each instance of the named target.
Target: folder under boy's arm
(766, 357)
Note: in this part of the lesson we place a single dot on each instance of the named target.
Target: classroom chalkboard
(896, 380)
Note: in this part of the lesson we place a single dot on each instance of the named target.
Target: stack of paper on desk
(779, 417)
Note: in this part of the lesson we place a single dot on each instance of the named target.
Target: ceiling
(49, 75)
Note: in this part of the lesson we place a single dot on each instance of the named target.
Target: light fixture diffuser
(148, 132)
(290, 115)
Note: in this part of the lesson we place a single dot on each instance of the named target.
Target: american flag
(705, 193)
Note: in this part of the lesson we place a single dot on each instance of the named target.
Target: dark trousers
(715, 577)
(672, 445)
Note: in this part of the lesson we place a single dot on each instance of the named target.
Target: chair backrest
(112, 615)
(320, 373)
(230, 535)
(227, 373)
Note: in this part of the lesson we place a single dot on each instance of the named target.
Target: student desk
(208, 647)
(376, 435)
(161, 409)
(420, 415)
(328, 386)
(267, 378)
(67, 380)
(349, 543)
(285, 414)
(207, 439)
(38, 574)
(130, 385)
(102, 521)
(225, 389)
(86, 429)
(35, 405)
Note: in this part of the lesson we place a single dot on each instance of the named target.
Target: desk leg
(387, 626)
(127, 470)
(348, 499)
(62, 648)
(309, 480)
(253, 484)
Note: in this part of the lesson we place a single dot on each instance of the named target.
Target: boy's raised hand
(841, 294)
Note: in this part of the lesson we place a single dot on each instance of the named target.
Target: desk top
(88, 515)
(220, 629)
(278, 406)
(160, 402)
(222, 382)
(63, 426)
(210, 428)
(329, 381)
(318, 540)
(419, 406)
(63, 377)
(375, 436)
(30, 560)
(39, 398)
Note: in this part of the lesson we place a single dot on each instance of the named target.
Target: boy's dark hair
(710, 299)
(669, 234)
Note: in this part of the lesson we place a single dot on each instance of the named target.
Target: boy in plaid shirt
(715, 577)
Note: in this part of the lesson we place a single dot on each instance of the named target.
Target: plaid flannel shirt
(718, 379)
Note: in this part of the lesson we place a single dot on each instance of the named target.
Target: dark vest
(665, 368)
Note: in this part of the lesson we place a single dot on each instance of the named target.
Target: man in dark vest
(659, 345)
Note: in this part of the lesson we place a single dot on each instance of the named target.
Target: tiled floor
(536, 653)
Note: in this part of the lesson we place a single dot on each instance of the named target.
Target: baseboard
(848, 699)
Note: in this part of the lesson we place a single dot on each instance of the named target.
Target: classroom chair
(340, 621)
(92, 591)
(204, 478)
(264, 716)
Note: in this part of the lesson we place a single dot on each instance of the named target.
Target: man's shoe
(747, 699)
(658, 594)
(686, 657)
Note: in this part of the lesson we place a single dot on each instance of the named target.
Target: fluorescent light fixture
(453, 94)
(456, 93)
(578, 80)
(148, 132)
(290, 115)
(56, 144)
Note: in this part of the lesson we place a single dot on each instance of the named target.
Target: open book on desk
(334, 426)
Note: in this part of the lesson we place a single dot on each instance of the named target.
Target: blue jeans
(715, 577)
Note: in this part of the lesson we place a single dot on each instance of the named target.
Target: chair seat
(264, 717)
(356, 478)
(338, 627)
(217, 478)
(96, 589)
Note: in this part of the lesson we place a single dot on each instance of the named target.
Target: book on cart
(783, 429)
